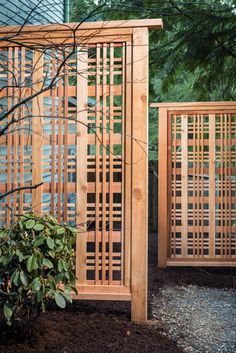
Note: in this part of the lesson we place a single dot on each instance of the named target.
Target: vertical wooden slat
(59, 143)
(123, 112)
(184, 178)
(16, 69)
(111, 132)
(98, 162)
(226, 183)
(81, 165)
(9, 136)
(169, 183)
(128, 165)
(162, 191)
(198, 185)
(221, 184)
(229, 143)
(194, 185)
(22, 140)
(212, 185)
(173, 174)
(104, 160)
(53, 136)
(202, 184)
(139, 176)
(66, 115)
(37, 130)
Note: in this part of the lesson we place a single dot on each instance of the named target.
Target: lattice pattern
(16, 146)
(80, 158)
(203, 157)
(94, 164)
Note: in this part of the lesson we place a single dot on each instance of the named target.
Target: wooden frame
(195, 208)
(106, 194)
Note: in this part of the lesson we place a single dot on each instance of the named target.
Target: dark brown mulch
(76, 331)
(105, 327)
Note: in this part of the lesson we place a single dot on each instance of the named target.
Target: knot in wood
(137, 194)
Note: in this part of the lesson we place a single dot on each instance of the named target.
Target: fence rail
(197, 174)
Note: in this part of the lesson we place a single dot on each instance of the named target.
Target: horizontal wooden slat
(99, 25)
(202, 263)
(193, 105)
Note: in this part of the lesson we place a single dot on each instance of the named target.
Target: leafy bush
(36, 266)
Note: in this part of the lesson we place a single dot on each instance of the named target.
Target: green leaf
(47, 263)
(67, 297)
(29, 264)
(32, 263)
(60, 300)
(20, 255)
(67, 275)
(74, 289)
(8, 312)
(50, 243)
(36, 285)
(39, 296)
(58, 278)
(27, 215)
(30, 223)
(65, 265)
(21, 225)
(52, 219)
(71, 229)
(16, 277)
(58, 242)
(51, 253)
(39, 241)
(24, 278)
(38, 227)
(52, 227)
(60, 230)
(60, 265)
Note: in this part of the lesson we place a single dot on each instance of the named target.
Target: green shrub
(36, 266)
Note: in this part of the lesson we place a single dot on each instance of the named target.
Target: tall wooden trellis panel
(197, 174)
(82, 131)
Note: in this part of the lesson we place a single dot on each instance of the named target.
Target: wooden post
(139, 231)
(37, 131)
(163, 188)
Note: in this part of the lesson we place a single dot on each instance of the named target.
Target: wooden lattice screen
(85, 137)
(197, 174)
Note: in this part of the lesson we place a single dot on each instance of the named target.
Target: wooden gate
(197, 174)
(79, 95)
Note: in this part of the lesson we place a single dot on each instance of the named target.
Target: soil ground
(105, 327)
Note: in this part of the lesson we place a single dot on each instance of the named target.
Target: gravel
(199, 319)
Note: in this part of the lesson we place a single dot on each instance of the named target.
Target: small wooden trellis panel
(197, 174)
(94, 162)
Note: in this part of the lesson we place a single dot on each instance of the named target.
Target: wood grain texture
(37, 131)
(89, 145)
(139, 177)
(81, 164)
